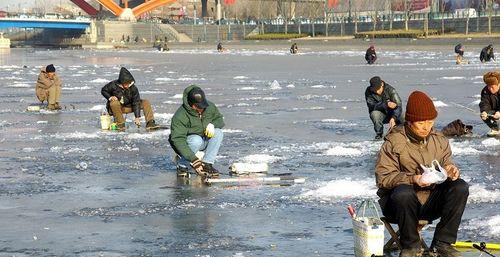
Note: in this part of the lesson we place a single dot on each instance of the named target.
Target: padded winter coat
(186, 121)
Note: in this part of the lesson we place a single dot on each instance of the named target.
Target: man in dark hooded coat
(123, 97)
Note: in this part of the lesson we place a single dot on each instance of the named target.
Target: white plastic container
(246, 168)
(368, 232)
(105, 121)
(33, 108)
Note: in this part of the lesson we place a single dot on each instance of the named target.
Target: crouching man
(384, 105)
(48, 87)
(123, 97)
(489, 106)
(196, 126)
(404, 197)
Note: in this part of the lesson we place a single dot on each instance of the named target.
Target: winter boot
(182, 172)
(444, 249)
(210, 170)
(51, 107)
(120, 126)
(493, 133)
(411, 252)
(57, 106)
(152, 125)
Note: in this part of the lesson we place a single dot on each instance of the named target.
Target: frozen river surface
(125, 199)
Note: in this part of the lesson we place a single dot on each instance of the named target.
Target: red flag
(333, 3)
(229, 2)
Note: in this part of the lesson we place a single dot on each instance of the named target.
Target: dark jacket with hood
(490, 103)
(131, 97)
(186, 121)
(370, 55)
(459, 50)
(379, 102)
(487, 54)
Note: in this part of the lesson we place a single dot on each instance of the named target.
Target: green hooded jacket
(186, 121)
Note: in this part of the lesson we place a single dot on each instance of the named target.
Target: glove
(484, 115)
(210, 130)
(197, 165)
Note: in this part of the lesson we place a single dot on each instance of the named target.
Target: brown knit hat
(491, 78)
(420, 107)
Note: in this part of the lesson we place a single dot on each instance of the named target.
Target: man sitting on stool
(404, 197)
(123, 97)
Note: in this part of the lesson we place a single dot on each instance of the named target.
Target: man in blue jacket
(384, 105)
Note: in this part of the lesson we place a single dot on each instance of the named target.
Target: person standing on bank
(123, 97)
(384, 105)
(404, 197)
(489, 106)
(196, 126)
(48, 87)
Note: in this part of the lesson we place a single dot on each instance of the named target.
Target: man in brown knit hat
(490, 102)
(405, 197)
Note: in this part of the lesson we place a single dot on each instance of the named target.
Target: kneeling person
(384, 105)
(123, 97)
(48, 87)
(196, 126)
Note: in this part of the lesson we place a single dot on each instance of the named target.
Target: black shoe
(411, 252)
(152, 125)
(378, 137)
(444, 249)
(120, 126)
(210, 170)
(182, 172)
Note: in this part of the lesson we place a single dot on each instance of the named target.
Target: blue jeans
(209, 145)
(379, 119)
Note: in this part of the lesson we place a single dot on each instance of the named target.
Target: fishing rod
(469, 109)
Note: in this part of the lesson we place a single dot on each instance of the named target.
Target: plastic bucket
(105, 121)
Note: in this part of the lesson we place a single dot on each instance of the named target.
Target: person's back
(487, 54)
(459, 58)
(370, 55)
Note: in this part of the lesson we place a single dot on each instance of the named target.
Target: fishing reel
(482, 248)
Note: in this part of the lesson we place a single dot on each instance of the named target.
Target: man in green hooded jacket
(196, 126)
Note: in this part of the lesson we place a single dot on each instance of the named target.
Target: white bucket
(105, 121)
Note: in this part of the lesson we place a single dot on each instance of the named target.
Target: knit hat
(420, 107)
(375, 83)
(50, 68)
(491, 78)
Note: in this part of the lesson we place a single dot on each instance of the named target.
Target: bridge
(118, 10)
(43, 23)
